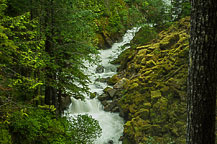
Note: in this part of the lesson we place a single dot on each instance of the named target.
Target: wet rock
(100, 69)
(121, 83)
(110, 68)
(103, 97)
(99, 85)
(113, 80)
(106, 89)
(66, 101)
(118, 94)
(101, 42)
(103, 80)
(105, 41)
(110, 142)
(108, 40)
(104, 103)
(121, 138)
(110, 106)
(110, 91)
(122, 114)
(115, 109)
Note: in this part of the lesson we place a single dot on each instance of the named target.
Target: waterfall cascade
(111, 123)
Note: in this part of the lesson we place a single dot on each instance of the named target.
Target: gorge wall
(150, 87)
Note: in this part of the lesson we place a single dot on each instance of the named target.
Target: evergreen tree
(21, 55)
(68, 40)
(29, 46)
(180, 9)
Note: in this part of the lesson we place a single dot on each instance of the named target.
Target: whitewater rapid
(111, 123)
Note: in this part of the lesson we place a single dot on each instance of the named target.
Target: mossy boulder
(113, 80)
(124, 58)
(154, 97)
(93, 95)
(145, 35)
(110, 92)
(122, 83)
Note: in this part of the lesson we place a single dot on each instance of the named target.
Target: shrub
(35, 125)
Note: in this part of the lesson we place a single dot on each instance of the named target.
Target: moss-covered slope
(154, 97)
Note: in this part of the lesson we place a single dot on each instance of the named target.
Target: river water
(111, 123)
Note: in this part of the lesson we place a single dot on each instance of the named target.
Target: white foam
(111, 123)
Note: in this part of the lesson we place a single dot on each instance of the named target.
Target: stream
(111, 123)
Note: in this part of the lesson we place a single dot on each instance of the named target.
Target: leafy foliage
(180, 9)
(86, 129)
(150, 11)
(43, 46)
(34, 125)
(144, 36)
(24, 69)
(21, 54)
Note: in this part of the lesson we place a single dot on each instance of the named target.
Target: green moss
(144, 36)
(126, 141)
(142, 52)
(123, 56)
(143, 113)
(143, 62)
(147, 72)
(113, 80)
(155, 94)
(150, 63)
(92, 95)
(161, 104)
(147, 105)
(132, 108)
(155, 97)
(133, 86)
(169, 40)
(107, 89)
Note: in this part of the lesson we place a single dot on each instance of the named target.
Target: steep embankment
(111, 22)
(150, 88)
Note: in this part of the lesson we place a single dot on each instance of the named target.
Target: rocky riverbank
(149, 90)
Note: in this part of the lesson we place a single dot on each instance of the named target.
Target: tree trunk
(202, 73)
(50, 91)
(59, 111)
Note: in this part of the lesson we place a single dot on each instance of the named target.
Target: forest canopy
(43, 46)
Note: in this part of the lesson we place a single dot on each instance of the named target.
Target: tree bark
(59, 111)
(50, 91)
(202, 74)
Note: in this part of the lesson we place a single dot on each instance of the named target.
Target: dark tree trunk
(59, 101)
(54, 91)
(48, 76)
(202, 73)
(47, 94)
(50, 91)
